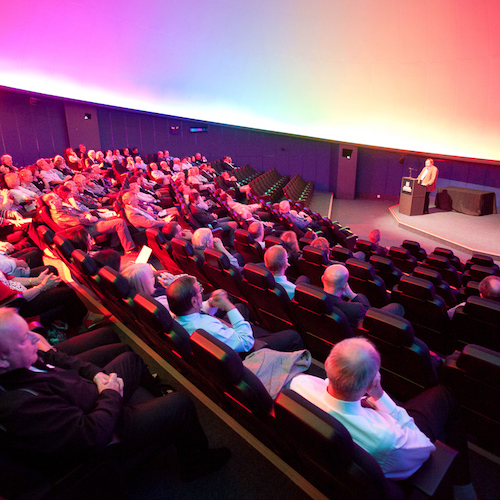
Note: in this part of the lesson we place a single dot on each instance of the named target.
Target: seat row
(299, 191)
(268, 187)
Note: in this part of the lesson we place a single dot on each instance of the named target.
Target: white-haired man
(400, 439)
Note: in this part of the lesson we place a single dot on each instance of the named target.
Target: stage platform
(464, 234)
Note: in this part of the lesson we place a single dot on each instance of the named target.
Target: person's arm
(240, 336)
(410, 447)
(61, 425)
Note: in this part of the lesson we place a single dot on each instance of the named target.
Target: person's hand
(50, 281)
(374, 390)
(219, 246)
(169, 218)
(219, 299)
(40, 277)
(42, 343)
(21, 263)
(111, 381)
(348, 293)
(187, 234)
(5, 246)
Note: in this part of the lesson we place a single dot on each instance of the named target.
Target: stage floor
(464, 234)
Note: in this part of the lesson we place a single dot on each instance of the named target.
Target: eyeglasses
(201, 287)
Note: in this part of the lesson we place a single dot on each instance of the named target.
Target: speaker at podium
(412, 197)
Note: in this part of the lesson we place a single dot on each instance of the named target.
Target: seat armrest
(429, 476)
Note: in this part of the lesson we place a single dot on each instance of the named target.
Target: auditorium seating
(368, 248)
(299, 191)
(443, 265)
(402, 259)
(269, 299)
(269, 186)
(340, 254)
(162, 249)
(321, 324)
(385, 268)
(190, 263)
(442, 288)
(362, 279)
(313, 263)
(241, 389)
(473, 376)
(426, 311)
(407, 367)
(454, 260)
(324, 452)
(477, 322)
(245, 245)
(414, 248)
(481, 260)
(477, 273)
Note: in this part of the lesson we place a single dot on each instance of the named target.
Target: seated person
(51, 176)
(47, 298)
(26, 180)
(57, 417)
(291, 245)
(353, 305)
(11, 266)
(489, 288)
(400, 439)
(22, 195)
(276, 260)
(186, 301)
(323, 244)
(138, 217)
(6, 164)
(203, 238)
(256, 229)
(108, 257)
(374, 238)
(174, 230)
(141, 278)
(300, 219)
(66, 217)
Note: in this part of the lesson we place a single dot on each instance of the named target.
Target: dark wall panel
(147, 144)
(105, 129)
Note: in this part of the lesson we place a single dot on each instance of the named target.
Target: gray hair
(351, 365)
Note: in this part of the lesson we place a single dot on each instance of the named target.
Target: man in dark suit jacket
(56, 409)
(353, 305)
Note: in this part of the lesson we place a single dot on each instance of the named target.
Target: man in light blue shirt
(185, 300)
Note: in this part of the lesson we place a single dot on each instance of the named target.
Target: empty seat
(415, 249)
(473, 375)
(322, 324)
(477, 273)
(340, 254)
(442, 288)
(408, 368)
(272, 240)
(447, 271)
(362, 279)
(481, 260)
(426, 311)
(86, 268)
(385, 268)
(454, 260)
(245, 245)
(402, 259)
(114, 292)
(222, 366)
(478, 322)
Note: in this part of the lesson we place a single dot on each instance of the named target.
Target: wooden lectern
(412, 197)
